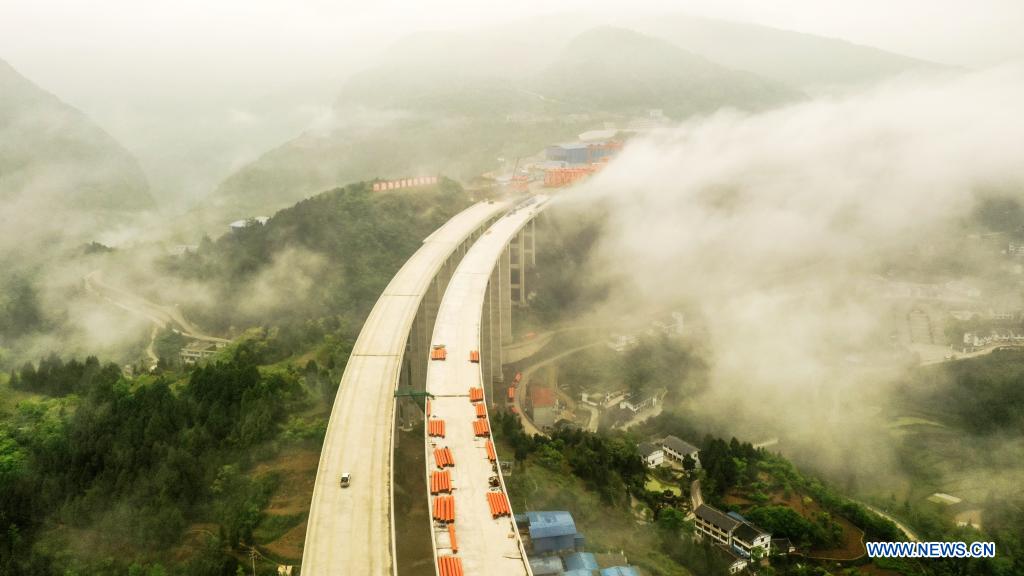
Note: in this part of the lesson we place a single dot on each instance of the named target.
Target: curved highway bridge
(480, 537)
(351, 530)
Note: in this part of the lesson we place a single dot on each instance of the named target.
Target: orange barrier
(449, 566)
(435, 428)
(491, 454)
(444, 508)
(452, 539)
(476, 394)
(440, 482)
(443, 457)
(481, 412)
(511, 393)
(438, 353)
(480, 428)
(474, 356)
(499, 504)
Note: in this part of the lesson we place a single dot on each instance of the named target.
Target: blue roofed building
(736, 516)
(582, 152)
(549, 531)
(546, 566)
(620, 571)
(580, 561)
(579, 573)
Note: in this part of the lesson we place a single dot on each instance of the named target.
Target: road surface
(162, 316)
(528, 426)
(350, 530)
(485, 545)
(903, 528)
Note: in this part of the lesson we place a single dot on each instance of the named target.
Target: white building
(639, 404)
(652, 454)
(733, 533)
(676, 449)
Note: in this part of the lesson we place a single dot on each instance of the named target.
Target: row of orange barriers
(481, 428)
(438, 353)
(491, 454)
(481, 411)
(474, 356)
(499, 504)
(440, 482)
(444, 508)
(476, 394)
(449, 566)
(435, 427)
(443, 457)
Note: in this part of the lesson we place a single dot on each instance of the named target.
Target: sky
(197, 88)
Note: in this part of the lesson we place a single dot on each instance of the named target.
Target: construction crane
(517, 182)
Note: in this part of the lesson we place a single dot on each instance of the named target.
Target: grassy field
(656, 485)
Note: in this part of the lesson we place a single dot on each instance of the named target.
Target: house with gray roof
(676, 449)
(652, 454)
(732, 531)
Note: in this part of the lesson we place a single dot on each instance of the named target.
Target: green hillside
(802, 60)
(451, 115)
(53, 153)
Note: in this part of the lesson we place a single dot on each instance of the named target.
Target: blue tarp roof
(620, 571)
(737, 516)
(546, 565)
(579, 573)
(580, 561)
(550, 523)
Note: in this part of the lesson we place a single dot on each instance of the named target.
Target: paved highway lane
(486, 545)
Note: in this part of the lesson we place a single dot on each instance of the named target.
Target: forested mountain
(625, 72)
(316, 267)
(53, 155)
(805, 61)
(63, 180)
(451, 115)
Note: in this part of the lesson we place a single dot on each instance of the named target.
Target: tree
(689, 464)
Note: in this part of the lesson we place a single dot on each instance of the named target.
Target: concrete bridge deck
(486, 545)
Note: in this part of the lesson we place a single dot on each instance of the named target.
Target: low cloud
(780, 227)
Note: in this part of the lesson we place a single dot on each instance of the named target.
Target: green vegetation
(85, 169)
(134, 464)
(657, 362)
(979, 395)
(20, 312)
(601, 480)
(318, 266)
(458, 119)
(960, 434)
(175, 472)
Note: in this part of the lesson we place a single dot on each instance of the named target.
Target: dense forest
(136, 462)
(981, 395)
(343, 245)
